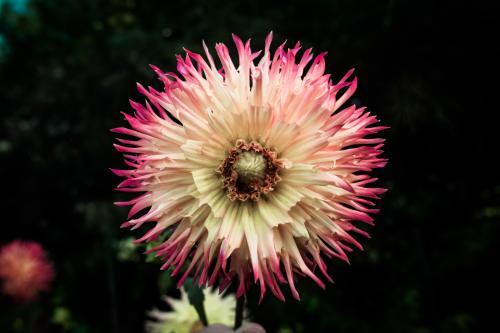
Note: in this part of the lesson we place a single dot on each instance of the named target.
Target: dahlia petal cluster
(25, 270)
(183, 317)
(254, 170)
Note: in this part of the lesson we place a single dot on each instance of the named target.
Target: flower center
(250, 166)
(249, 171)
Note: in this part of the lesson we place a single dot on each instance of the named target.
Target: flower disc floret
(249, 171)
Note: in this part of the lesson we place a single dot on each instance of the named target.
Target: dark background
(67, 68)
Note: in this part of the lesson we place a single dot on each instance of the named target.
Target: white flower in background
(183, 318)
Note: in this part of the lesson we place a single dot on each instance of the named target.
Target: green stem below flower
(240, 305)
(196, 298)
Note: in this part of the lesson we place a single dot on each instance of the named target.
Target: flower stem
(203, 315)
(196, 299)
(240, 305)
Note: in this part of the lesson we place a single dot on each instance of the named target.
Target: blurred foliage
(68, 67)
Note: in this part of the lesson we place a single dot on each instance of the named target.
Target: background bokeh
(67, 68)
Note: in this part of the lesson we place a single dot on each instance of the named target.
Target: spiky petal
(25, 270)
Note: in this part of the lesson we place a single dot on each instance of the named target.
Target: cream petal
(203, 154)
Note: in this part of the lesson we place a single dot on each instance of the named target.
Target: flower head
(183, 317)
(24, 269)
(253, 170)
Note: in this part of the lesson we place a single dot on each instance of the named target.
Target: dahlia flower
(24, 269)
(252, 170)
(183, 317)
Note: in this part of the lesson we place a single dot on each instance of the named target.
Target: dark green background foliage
(68, 67)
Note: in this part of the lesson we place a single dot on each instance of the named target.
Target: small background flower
(24, 270)
(183, 318)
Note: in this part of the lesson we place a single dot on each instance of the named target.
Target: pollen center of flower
(251, 166)
(249, 171)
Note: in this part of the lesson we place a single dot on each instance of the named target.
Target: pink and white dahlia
(251, 170)
(25, 270)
